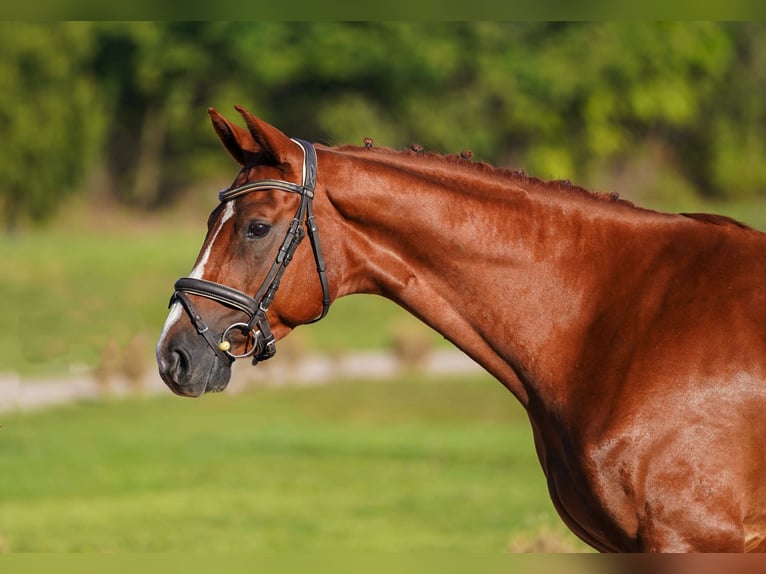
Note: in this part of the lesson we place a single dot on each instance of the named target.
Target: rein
(257, 326)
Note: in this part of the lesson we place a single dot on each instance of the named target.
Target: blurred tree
(49, 116)
(560, 99)
(735, 130)
(157, 79)
(575, 96)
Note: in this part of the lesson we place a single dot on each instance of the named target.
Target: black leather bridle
(263, 345)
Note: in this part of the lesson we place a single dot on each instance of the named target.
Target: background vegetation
(117, 108)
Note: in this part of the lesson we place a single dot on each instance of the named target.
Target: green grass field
(415, 464)
(66, 294)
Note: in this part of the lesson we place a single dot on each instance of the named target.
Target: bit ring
(245, 329)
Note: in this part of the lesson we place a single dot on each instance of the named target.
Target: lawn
(68, 294)
(415, 464)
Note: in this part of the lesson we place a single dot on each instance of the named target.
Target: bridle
(263, 345)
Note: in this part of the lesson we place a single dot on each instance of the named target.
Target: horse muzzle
(190, 369)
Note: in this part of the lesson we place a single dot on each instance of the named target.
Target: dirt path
(24, 395)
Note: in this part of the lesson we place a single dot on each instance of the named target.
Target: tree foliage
(562, 100)
(49, 116)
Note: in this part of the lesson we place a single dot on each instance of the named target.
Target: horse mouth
(196, 382)
(194, 390)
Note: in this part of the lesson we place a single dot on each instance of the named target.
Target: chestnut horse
(635, 340)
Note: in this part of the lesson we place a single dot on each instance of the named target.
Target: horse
(634, 339)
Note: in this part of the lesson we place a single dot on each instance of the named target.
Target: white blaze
(196, 273)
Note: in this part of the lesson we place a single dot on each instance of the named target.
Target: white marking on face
(197, 272)
(199, 268)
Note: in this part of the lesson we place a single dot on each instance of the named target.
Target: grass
(68, 293)
(410, 465)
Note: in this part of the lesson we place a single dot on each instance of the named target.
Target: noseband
(260, 344)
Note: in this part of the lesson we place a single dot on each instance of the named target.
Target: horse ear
(272, 141)
(237, 141)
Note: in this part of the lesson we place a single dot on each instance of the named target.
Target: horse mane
(516, 176)
(463, 162)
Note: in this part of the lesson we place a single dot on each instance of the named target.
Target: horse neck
(483, 257)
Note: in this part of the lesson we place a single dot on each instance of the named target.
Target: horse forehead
(268, 198)
(254, 172)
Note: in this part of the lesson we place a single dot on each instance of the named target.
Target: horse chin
(219, 385)
(213, 380)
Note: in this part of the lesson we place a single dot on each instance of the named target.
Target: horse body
(634, 339)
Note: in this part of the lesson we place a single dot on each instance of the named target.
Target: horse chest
(597, 514)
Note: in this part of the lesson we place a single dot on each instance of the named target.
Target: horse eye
(257, 229)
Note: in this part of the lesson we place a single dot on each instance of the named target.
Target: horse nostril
(181, 363)
(175, 366)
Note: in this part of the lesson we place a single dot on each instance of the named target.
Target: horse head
(253, 234)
